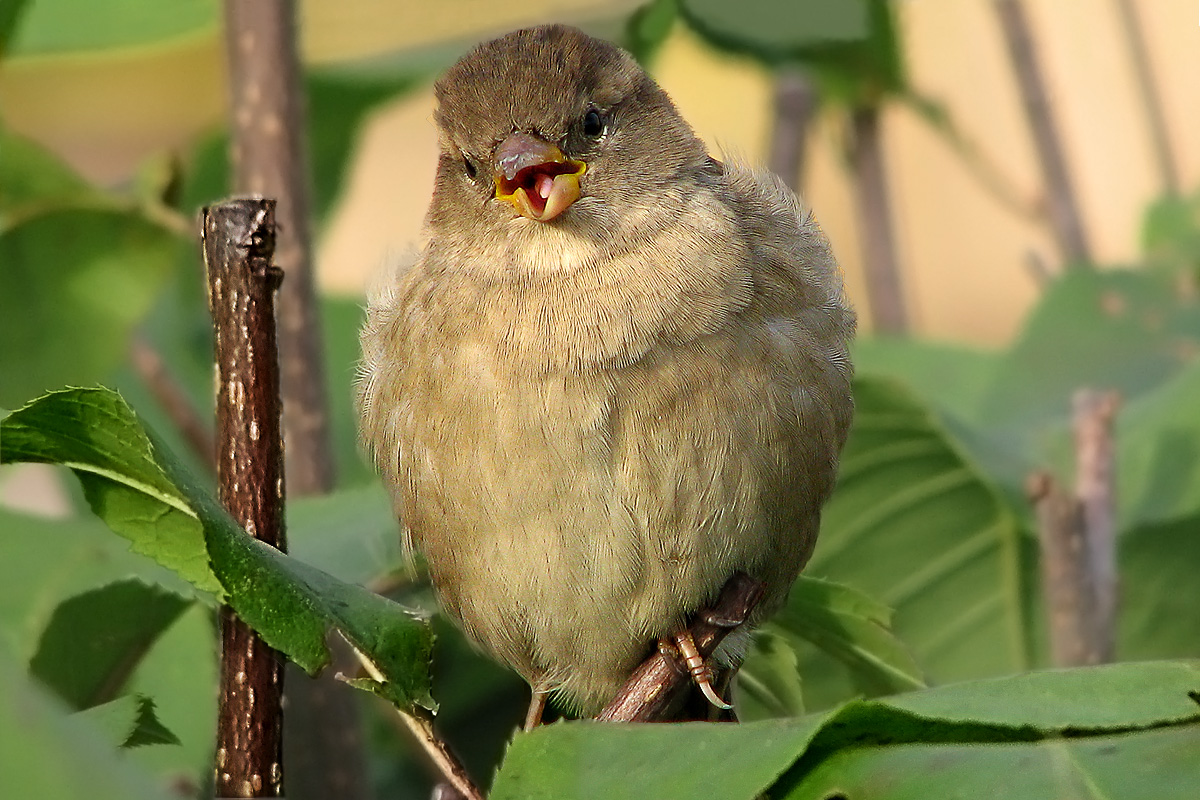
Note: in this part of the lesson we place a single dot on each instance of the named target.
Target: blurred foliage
(926, 569)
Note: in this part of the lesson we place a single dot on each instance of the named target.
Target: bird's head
(550, 127)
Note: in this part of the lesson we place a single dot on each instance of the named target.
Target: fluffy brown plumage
(591, 416)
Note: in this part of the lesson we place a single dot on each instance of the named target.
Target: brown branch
(661, 682)
(1077, 536)
(885, 293)
(238, 238)
(269, 156)
(1095, 486)
(1156, 120)
(173, 400)
(1062, 205)
(794, 103)
(419, 723)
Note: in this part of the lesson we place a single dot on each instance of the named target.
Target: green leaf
(10, 15)
(853, 628)
(769, 682)
(32, 179)
(647, 28)
(58, 27)
(914, 523)
(852, 48)
(143, 493)
(1111, 329)
(52, 754)
(76, 282)
(1159, 591)
(352, 533)
(952, 377)
(575, 760)
(593, 760)
(96, 639)
(120, 467)
(129, 721)
(43, 562)
(1158, 452)
(1146, 765)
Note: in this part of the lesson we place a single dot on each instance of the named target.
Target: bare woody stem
(269, 158)
(656, 687)
(1077, 535)
(1066, 220)
(886, 300)
(239, 240)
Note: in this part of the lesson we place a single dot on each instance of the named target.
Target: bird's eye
(469, 167)
(593, 123)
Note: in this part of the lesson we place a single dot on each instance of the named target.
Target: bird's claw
(700, 671)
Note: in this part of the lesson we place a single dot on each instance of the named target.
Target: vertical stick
(1077, 532)
(1095, 486)
(1156, 120)
(885, 294)
(239, 239)
(794, 102)
(269, 156)
(1065, 219)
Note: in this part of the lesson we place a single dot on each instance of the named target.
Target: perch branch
(661, 681)
(238, 239)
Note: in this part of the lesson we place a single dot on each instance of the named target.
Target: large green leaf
(129, 721)
(855, 630)
(51, 754)
(1146, 765)
(950, 377)
(1158, 452)
(914, 523)
(76, 281)
(852, 47)
(575, 760)
(95, 639)
(43, 562)
(33, 180)
(59, 27)
(1159, 593)
(122, 472)
(1113, 329)
(144, 494)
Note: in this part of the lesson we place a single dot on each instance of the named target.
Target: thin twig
(886, 302)
(238, 237)
(794, 103)
(1156, 120)
(1077, 532)
(173, 400)
(269, 157)
(1062, 205)
(1095, 486)
(419, 723)
(661, 681)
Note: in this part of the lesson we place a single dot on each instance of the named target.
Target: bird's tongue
(542, 185)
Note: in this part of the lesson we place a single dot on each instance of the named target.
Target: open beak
(536, 177)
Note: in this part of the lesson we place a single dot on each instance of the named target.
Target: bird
(616, 372)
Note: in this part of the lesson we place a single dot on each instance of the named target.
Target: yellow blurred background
(965, 257)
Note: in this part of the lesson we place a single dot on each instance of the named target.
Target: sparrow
(616, 373)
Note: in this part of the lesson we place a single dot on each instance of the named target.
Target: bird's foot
(682, 645)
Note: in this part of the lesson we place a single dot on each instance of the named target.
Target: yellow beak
(536, 177)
